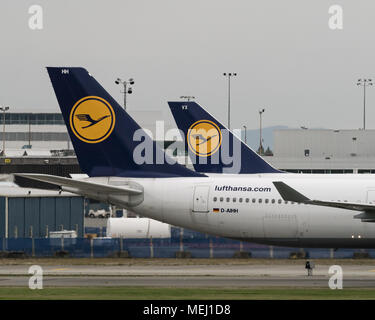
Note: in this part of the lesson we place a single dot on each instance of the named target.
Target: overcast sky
(287, 58)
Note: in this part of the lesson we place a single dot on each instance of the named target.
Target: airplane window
(260, 200)
(221, 199)
(266, 201)
(240, 199)
(247, 199)
(234, 199)
(273, 201)
(254, 200)
(279, 201)
(228, 199)
(215, 199)
(286, 202)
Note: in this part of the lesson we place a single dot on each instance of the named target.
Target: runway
(241, 276)
(182, 282)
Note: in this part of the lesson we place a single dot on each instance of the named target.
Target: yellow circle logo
(204, 138)
(92, 119)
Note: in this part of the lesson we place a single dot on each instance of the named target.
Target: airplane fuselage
(249, 207)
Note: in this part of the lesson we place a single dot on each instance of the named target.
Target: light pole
(29, 146)
(188, 98)
(4, 109)
(128, 90)
(260, 131)
(245, 128)
(364, 83)
(229, 75)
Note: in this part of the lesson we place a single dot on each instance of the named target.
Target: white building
(324, 151)
(39, 131)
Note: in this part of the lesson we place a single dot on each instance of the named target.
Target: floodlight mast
(187, 98)
(364, 83)
(4, 109)
(127, 87)
(261, 111)
(229, 76)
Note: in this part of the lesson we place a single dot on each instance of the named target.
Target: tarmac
(268, 275)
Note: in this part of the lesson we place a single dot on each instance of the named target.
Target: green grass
(145, 293)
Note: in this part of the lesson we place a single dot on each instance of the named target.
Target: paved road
(188, 276)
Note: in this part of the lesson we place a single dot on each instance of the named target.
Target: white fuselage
(250, 208)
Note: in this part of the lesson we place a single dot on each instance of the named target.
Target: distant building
(324, 151)
(39, 131)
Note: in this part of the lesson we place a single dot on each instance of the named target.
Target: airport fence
(208, 247)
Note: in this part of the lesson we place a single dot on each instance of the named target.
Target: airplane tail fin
(107, 141)
(211, 146)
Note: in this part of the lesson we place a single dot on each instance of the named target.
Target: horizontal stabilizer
(365, 217)
(290, 194)
(84, 186)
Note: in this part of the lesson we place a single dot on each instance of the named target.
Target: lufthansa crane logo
(92, 119)
(204, 138)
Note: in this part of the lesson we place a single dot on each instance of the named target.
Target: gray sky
(287, 58)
